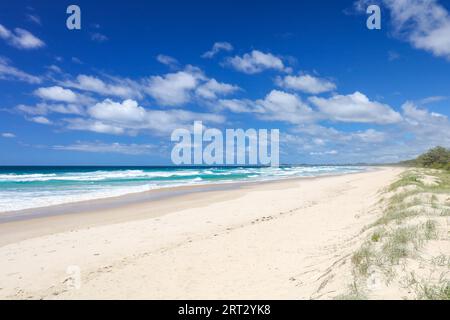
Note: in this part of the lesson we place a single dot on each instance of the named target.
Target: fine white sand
(283, 240)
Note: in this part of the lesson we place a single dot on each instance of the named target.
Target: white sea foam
(19, 191)
(36, 199)
(95, 175)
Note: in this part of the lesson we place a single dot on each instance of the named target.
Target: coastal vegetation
(436, 158)
(406, 251)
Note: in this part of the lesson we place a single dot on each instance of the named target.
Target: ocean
(34, 187)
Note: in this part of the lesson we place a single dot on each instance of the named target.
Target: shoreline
(257, 242)
(99, 212)
(147, 196)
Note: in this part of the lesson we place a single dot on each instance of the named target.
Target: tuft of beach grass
(411, 208)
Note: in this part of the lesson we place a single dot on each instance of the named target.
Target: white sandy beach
(283, 240)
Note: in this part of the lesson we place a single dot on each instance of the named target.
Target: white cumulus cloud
(305, 83)
(8, 72)
(425, 24)
(217, 47)
(115, 147)
(128, 117)
(174, 88)
(40, 120)
(46, 108)
(283, 106)
(167, 60)
(355, 107)
(56, 93)
(212, 88)
(8, 135)
(20, 38)
(118, 87)
(256, 62)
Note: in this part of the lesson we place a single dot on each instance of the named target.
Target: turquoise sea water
(33, 187)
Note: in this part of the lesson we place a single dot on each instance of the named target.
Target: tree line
(435, 158)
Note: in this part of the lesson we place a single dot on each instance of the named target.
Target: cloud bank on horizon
(77, 108)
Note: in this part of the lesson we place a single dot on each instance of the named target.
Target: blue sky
(112, 92)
